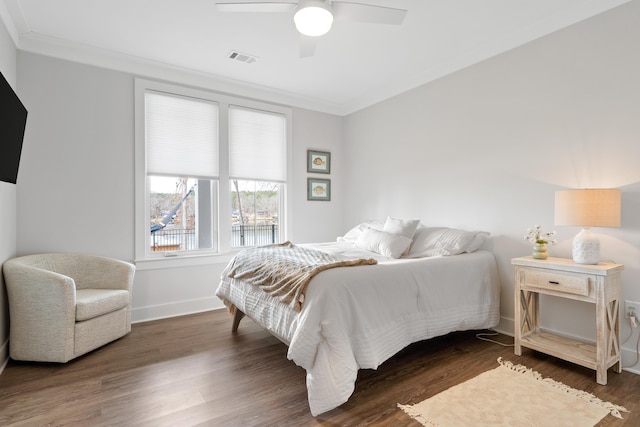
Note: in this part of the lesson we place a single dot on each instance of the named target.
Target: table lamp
(597, 207)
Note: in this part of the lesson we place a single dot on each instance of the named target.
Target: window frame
(221, 188)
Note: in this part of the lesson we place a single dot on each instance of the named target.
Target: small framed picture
(318, 161)
(318, 189)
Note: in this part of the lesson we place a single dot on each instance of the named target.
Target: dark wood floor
(191, 370)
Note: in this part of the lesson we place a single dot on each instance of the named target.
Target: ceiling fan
(314, 18)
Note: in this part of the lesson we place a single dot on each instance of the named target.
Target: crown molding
(6, 19)
(89, 55)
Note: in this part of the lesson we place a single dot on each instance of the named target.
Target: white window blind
(257, 145)
(181, 136)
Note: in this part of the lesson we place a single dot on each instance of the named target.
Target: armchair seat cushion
(92, 303)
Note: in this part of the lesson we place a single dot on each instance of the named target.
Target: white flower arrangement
(535, 235)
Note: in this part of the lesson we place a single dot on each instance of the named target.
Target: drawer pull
(553, 282)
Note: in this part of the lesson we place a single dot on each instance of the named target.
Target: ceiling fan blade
(307, 46)
(367, 13)
(275, 6)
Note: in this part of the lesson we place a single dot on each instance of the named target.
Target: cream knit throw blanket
(284, 270)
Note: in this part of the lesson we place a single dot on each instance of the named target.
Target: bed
(356, 317)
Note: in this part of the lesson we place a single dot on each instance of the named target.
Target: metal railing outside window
(253, 235)
(181, 239)
(173, 239)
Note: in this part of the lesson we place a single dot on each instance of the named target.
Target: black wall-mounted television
(13, 119)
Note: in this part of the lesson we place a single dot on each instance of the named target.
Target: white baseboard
(181, 308)
(506, 326)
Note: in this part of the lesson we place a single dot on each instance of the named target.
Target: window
(257, 151)
(211, 171)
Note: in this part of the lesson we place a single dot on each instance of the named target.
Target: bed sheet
(357, 317)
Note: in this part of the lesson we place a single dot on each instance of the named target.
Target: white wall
(7, 200)
(487, 147)
(317, 221)
(76, 183)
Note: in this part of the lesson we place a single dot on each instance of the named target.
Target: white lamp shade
(313, 18)
(593, 207)
(587, 208)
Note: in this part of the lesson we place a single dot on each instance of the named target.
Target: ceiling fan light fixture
(313, 18)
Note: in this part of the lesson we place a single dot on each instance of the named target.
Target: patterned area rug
(511, 395)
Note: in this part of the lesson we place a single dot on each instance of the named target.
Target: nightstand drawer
(568, 283)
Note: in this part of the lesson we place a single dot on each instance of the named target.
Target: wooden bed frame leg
(237, 317)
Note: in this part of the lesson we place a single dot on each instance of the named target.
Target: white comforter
(358, 317)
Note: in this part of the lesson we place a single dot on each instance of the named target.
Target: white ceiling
(355, 64)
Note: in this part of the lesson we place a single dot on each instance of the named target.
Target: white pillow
(353, 234)
(389, 245)
(402, 227)
(478, 241)
(432, 241)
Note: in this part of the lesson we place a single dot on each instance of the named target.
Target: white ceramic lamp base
(586, 247)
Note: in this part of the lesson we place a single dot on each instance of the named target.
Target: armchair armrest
(42, 309)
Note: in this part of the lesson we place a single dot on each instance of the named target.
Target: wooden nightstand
(596, 284)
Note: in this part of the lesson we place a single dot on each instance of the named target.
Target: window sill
(183, 261)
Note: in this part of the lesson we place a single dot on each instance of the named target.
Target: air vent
(242, 57)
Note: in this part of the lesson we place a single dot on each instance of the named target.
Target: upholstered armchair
(64, 305)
